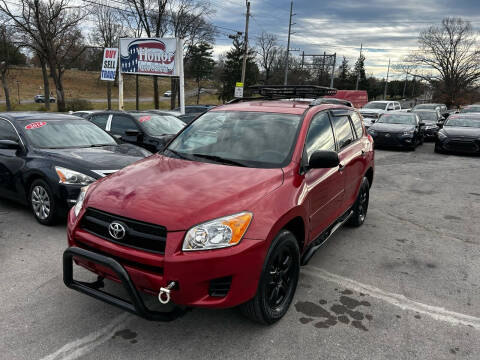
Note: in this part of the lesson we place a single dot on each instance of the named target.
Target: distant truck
(357, 97)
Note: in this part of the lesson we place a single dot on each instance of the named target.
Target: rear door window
(100, 120)
(357, 124)
(343, 131)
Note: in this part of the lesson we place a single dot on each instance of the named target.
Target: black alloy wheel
(278, 281)
(361, 204)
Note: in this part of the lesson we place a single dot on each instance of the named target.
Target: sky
(386, 28)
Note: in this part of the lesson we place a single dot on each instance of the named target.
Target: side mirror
(9, 144)
(374, 121)
(132, 132)
(421, 123)
(446, 115)
(323, 160)
(440, 124)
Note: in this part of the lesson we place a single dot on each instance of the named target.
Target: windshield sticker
(144, 118)
(35, 125)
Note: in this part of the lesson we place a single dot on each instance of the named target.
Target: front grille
(139, 235)
(457, 145)
(220, 287)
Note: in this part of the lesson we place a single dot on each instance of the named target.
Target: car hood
(110, 157)
(392, 127)
(179, 194)
(462, 131)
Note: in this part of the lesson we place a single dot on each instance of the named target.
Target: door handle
(341, 167)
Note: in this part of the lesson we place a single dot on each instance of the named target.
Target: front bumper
(393, 139)
(236, 269)
(461, 145)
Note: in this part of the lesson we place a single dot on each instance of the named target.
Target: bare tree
(268, 50)
(50, 29)
(451, 50)
(109, 28)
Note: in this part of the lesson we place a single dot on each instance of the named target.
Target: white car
(372, 110)
(168, 93)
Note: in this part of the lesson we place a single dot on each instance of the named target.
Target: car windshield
(471, 109)
(375, 105)
(427, 116)
(252, 139)
(463, 122)
(404, 119)
(156, 125)
(426, 107)
(59, 134)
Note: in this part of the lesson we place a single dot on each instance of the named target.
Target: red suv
(228, 212)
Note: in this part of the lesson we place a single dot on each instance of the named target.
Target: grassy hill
(85, 85)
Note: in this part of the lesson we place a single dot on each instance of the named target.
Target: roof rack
(292, 91)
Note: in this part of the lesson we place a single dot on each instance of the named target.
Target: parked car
(148, 130)
(432, 120)
(41, 99)
(460, 133)
(227, 213)
(46, 158)
(442, 108)
(192, 112)
(168, 93)
(372, 110)
(327, 100)
(84, 113)
(470, 109)
(398, 129)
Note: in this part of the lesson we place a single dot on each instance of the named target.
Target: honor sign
(149, 57)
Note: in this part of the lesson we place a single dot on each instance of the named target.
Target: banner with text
(149, 56)
(109, 65)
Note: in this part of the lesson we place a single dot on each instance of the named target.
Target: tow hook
(164, 294)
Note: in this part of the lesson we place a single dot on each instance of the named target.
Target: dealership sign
(149, 56)
(109, 65)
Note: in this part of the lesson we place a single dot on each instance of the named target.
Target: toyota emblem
(117, 230)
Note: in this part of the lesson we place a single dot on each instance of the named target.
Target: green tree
(344, 75)
(359, 68)
(232, 69)
(199, 63)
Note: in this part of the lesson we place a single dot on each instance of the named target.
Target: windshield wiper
(100, 145)
(219, 159)
(180, 155)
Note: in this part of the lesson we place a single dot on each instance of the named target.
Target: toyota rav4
(227, 213)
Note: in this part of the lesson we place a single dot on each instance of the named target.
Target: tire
(438, 150)
(360, 207)
(42, 203)
(282, 265)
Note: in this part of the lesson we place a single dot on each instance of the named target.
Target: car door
(325, 187)
(350, 154)
(11, 162)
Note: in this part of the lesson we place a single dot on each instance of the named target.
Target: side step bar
(316, 244)
(135, 305)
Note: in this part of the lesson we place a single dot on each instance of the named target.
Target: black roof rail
(292, 91)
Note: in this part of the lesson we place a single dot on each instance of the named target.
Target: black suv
(149, 130)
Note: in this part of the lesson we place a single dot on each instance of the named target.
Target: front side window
(61, 134)
(343, 131)
(252, 139)
(121, 123)
(7, 132)
(320, 135)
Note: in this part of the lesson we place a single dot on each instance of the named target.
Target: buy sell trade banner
(153, 56)
(109, 65)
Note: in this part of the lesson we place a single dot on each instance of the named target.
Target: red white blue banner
(152, 56)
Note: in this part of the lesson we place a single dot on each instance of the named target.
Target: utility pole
(333, 69)
(358, 72)
(405, 85)
(386, 82)
(245, 53)
(285, 81)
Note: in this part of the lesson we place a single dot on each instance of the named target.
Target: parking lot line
(398, 300)
(80, 347)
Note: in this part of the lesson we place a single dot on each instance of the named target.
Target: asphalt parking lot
(406, 285)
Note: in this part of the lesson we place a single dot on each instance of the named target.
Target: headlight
(81, 198)
(219, 233)
(441, 135)
(71, 177)
(408, 132)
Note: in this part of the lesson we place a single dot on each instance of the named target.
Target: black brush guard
(135, 306)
